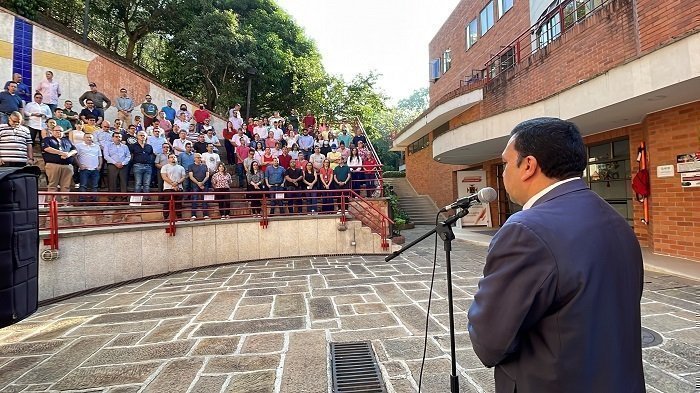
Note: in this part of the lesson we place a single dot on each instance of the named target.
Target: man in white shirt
(240, 139)
(277, 131)
(182, 122)
(276, 118)
(89, 162)
(51, 91)
(37, 113)
(211, 159)
(179, 144)
(260, 129)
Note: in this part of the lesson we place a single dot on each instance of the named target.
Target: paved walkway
(264, 327)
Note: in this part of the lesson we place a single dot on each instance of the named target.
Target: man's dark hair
(556, 144)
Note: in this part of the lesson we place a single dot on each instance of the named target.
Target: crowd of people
(295, 161)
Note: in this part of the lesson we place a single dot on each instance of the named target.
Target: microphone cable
(427, 312)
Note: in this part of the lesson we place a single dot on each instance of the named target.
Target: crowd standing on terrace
(288, 159)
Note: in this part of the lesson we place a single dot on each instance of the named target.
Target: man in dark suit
(558, 307)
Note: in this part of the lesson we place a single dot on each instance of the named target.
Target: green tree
(26, 8)
(137, 18)
(386, 122)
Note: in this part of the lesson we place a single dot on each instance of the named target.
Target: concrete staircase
(420, 208)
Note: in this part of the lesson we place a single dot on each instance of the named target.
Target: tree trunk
(130, 48)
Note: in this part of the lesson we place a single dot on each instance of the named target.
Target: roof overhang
(621, 97)
(434, 118)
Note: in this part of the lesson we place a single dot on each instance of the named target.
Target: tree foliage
(205, 50)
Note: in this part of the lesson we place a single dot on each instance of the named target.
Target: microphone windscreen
(487, 195)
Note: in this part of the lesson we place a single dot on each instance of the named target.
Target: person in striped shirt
(15, 143)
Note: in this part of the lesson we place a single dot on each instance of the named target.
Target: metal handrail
(380, 167)
(61, 210)
(369, 141)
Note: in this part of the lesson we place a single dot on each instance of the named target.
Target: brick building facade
(625, 71)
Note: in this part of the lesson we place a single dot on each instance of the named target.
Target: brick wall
(675, 212)
(660, 22)
(439, 181)
(674, 227)
(604, 40)
(430, 177)
(452, 36)
(470, 115)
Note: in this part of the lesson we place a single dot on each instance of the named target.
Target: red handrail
(95, 210)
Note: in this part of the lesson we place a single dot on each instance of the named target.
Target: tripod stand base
(454, 384)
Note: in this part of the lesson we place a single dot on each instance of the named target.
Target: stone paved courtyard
(265, 327)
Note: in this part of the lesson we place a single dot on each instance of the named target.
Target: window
(578, 10)
(504, 6)
(549, 31)
(486, 18)
(508, 59)
(435, 69)
(446, 60)
(472, 33)
(609, 174)
(418, 145)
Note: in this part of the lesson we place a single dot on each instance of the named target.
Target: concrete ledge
(97, 257)
(670, 265)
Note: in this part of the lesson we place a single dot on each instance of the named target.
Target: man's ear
(529, 167)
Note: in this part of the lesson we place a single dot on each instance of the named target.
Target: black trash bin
(19, 243)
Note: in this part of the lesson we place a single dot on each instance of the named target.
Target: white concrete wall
(93, 258)
(75, 65)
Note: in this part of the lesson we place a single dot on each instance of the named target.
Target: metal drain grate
(355, 368)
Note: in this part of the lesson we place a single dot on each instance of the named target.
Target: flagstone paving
(265, 326)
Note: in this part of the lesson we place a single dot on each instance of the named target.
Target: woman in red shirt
(267, 159)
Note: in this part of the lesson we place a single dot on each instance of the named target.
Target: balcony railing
(539, 36)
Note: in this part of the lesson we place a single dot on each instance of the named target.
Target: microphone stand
(444, 230)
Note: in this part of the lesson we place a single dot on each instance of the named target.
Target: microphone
(485, 195)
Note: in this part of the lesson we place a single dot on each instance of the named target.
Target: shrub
(390, 174)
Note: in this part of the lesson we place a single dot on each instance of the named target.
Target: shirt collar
(540, 194)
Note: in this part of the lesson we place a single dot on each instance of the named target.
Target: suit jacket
(558, 307)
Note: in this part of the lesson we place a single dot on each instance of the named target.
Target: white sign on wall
(468, 183)
(664, 171)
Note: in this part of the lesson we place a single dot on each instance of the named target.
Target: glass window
(621, 149)
(508, 59)
(609, 174)
(446, 60)
(504, 6)
(599, 153)
(418, 145)
(486, 18)
(472, 33)
(549, 31)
